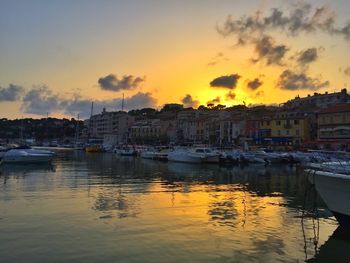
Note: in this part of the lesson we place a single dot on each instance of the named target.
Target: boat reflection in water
(104, 207)
(335, 249)
(24, 169)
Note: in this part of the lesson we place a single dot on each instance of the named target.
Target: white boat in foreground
(334, 188)
(334, 167)
(27, 156)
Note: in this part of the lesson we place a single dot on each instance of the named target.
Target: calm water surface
(105, 208)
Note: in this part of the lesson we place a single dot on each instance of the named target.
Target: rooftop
(337, 108)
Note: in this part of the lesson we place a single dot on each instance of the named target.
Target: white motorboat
(148, 153)
(26, 156)
(334, 188)
(186, 156)
(125, 151)
(334, 167)
(210, 156)
(252, 158)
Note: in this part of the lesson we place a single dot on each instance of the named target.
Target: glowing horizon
(166, 51)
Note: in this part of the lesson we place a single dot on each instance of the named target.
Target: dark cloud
(307, 56)
(267, 50)
(112, 83)
(254, 84)
(188, 101)
(140, 100)
(41, 100)
(214, 101)
(229, 81)
(258, 94)
(83, 106)
(290, 80)
(230, 95)
(220, 57)
(347, 71)
(300, 18)
(11, 93)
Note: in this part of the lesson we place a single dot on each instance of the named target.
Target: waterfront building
(231, 129)
(149, 131)
(254, 116)
(199, 126)
(252, 128)
(334, 124)
(285, 127)
(114, 123)
(321, 100)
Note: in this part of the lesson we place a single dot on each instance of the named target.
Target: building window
(279, 133)
(297, 132)
(296, 122)
(268, 123)
(278, 123)
(287, 132)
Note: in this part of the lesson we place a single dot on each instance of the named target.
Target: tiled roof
(336, 108)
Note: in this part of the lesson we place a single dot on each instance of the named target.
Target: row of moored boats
(212, 155)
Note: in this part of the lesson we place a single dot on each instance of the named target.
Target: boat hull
(184, 157)
(335, 191)
(212, 159)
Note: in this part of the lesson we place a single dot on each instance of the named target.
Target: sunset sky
(58, 56)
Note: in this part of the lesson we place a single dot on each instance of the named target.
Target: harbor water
(100, 207)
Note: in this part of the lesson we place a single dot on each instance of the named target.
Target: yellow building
(286, 127)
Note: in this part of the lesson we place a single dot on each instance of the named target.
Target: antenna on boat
(123, 103)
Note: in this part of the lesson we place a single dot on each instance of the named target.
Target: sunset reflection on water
(101, 207)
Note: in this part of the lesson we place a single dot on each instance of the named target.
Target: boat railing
(331, 161)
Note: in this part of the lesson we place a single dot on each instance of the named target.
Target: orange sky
(170, 44)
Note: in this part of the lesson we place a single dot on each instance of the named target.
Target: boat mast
(76, 131)
(123, 103)
(21, 132)
(90, 126)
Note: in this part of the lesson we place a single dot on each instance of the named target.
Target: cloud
(11, 93)
(254, 84)
(229, 81)
(188, 101)
(214, 101)
(82, 106)
(258, 94)
(217, 59)
(140, 100)
(301, 18)
(267, 50)
(41, 100)
(347, 71)
(307, 56)
(290, 80)
(230, 95)
(112, 83)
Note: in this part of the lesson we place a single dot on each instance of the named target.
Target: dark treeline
(39, 129)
